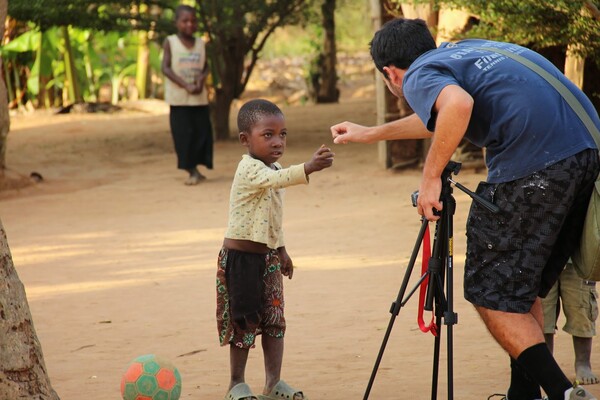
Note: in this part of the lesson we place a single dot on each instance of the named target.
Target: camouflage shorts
(517, 254)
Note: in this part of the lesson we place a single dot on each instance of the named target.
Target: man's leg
(521, 336)
(522, 387)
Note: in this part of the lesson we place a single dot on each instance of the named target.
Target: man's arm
(454, 107)
(410, 127)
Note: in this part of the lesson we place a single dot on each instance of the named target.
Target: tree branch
(593, 9)
(255, 50)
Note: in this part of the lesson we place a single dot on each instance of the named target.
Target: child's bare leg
(583, 366)
(237, 364)
(273, 353)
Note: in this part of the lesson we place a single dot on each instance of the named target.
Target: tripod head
(453, 168)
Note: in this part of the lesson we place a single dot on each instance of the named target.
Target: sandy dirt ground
(118, 259)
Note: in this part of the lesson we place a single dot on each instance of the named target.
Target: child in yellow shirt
(253, 260)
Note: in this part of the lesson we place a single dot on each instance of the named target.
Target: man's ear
(395, 74)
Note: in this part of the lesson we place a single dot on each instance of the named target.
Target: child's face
(266, 141)
(187, 23)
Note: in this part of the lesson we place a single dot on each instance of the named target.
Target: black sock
(522, 387)
(539, 364)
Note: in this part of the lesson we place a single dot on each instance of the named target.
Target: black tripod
(440, 267)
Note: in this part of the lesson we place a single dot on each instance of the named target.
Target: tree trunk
(328, 91)
(44, 96)
(143, 65)
(22, 369)
(75, 95)
(575, 63)
(4, 116)
(451, 23)
(411, 152)
(220, 109)
(89, 70)
(591, 82)
(424, 11)
(574, 66)
(143, 58)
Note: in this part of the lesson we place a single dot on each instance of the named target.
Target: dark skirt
(192, 136)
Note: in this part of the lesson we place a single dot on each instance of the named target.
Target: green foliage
(24, 46)
(29, 41)
(353, 31)
(100, 15)
(534, 23)
(354, 27)
(292, 41)
(110, 57)
(238, 32)
(104, 43)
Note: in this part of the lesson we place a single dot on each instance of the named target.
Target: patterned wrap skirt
(249, 278)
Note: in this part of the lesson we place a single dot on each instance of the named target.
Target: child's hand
(194, 88)
(323, 158)
(191, 88)
(287, 267)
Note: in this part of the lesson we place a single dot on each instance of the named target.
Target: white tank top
(188, 64)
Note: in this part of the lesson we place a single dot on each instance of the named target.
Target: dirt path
(118, 260)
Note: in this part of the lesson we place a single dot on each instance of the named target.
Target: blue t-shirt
(522, 121)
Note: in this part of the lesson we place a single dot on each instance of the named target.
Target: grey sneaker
(579, 393)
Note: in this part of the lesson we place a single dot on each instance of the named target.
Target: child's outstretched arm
(287, 266)
(323, 158)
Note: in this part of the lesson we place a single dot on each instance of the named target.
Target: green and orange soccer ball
(149, 377)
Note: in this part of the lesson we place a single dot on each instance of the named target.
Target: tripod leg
(395, 309)
(444, 269)
(440, 262)
(450, 317)
(436, 360)
(437, 286)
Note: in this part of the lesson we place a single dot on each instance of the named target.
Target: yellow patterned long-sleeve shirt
(256, 200)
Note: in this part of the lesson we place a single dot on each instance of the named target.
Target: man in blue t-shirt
(542, 163)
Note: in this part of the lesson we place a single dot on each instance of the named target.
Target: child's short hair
(252, 111)
(183, 8)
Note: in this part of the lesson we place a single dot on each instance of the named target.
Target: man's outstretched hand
(346, 132)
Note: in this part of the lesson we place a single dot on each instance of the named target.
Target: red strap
(426, 254)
